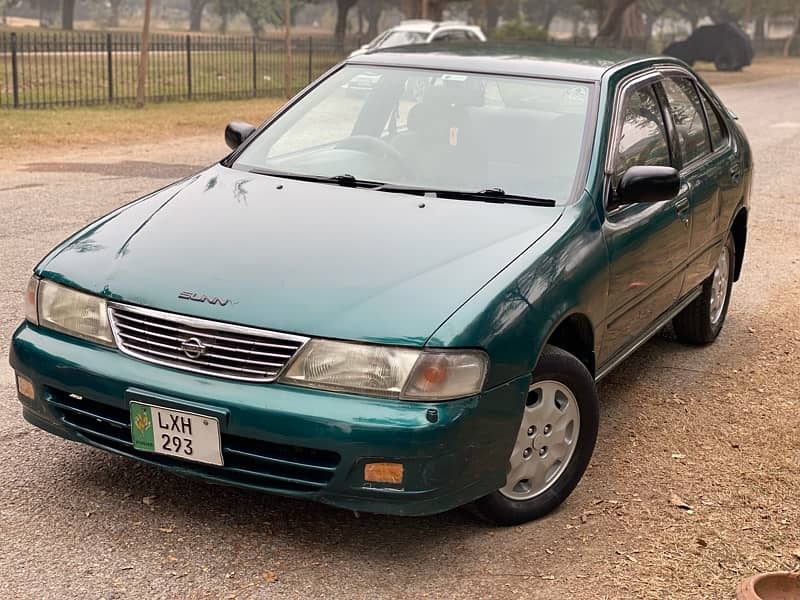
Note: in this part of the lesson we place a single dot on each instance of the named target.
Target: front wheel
(554, 443)
(701, 321)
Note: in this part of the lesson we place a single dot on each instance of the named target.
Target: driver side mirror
(646, 185)
(237, 132)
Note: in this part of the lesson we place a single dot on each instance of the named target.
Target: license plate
(175, 433)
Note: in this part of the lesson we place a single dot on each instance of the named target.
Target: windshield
(432, 129)
(401, 38)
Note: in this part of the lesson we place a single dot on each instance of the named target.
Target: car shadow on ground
(125, 169)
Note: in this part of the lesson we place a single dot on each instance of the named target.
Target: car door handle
(736, 173)
(682, 208)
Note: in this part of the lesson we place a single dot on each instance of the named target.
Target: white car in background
(423, 32)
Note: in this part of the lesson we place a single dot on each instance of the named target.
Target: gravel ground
(715, 426)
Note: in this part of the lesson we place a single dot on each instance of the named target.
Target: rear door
(647, 243)
(704, 162)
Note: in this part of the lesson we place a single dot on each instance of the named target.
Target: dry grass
(23, 131)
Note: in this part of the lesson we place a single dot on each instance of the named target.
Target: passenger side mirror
(646, 185)
(237, 132)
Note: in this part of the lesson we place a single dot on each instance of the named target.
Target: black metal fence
(46, 69)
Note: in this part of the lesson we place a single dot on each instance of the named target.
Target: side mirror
(237, 132)
(647, 185)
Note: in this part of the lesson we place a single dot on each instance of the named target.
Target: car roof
(424, 26)
(535, 60)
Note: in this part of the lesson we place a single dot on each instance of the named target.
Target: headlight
(390, 371)
(74, 313)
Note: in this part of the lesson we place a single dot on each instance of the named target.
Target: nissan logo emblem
(193, 348)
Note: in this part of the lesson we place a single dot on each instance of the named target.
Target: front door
(647, 243)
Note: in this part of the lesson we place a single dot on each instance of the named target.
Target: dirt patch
(768, 67)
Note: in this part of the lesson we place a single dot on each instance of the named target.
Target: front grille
(202, 346)
(247, 461)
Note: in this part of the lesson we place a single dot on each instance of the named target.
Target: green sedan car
(400, 301)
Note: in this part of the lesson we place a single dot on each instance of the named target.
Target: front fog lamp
(389, 371)
(74, 313)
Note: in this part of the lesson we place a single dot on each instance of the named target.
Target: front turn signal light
(25, 387)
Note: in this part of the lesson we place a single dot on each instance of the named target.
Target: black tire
(695, 323)
(728, 60)
(559, 366)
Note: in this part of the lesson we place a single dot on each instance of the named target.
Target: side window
(718, 133)
(453, 35)
(643, 140)
(687, 112)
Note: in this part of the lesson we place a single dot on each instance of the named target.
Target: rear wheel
(702, 320)
(554, 443)
(727, 60)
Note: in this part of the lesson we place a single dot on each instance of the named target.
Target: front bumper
(277, 438)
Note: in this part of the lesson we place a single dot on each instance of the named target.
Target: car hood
(299, 257)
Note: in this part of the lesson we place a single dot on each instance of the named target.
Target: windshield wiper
(488, 195)
(345, 180)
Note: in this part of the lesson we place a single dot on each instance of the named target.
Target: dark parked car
(726, 45)
(400, 304)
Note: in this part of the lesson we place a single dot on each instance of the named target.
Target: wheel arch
(739, 233)
(574, 333)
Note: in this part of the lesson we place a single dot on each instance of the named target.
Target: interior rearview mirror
(237, 132)
(647, 184)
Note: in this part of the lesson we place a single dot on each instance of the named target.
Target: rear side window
(687, 112)
(718, 133)
(453, 35)
(643, 140)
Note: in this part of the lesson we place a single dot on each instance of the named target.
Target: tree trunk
(633, 31)
(490, 14)
(196, 14)
(759, 33)
(143, 55)
(372, 11)
(550, 13)
(288, 39)
(610, 30)
(67, 14)
(342, 11)
(114, 20)
(436, 9)
(787, 47)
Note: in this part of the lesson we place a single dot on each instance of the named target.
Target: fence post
(255, 71)
(14, 73)
(189, 67)
(310, 58)
(110, 66)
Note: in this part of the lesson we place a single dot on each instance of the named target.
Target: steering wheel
(378, 148)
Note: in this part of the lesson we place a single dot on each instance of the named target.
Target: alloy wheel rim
(546, 441)
(719, 286)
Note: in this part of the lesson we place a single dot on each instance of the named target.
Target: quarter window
(718, 135)
(643, 140)
(687, 113)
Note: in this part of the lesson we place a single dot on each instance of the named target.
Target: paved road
(717, 426)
